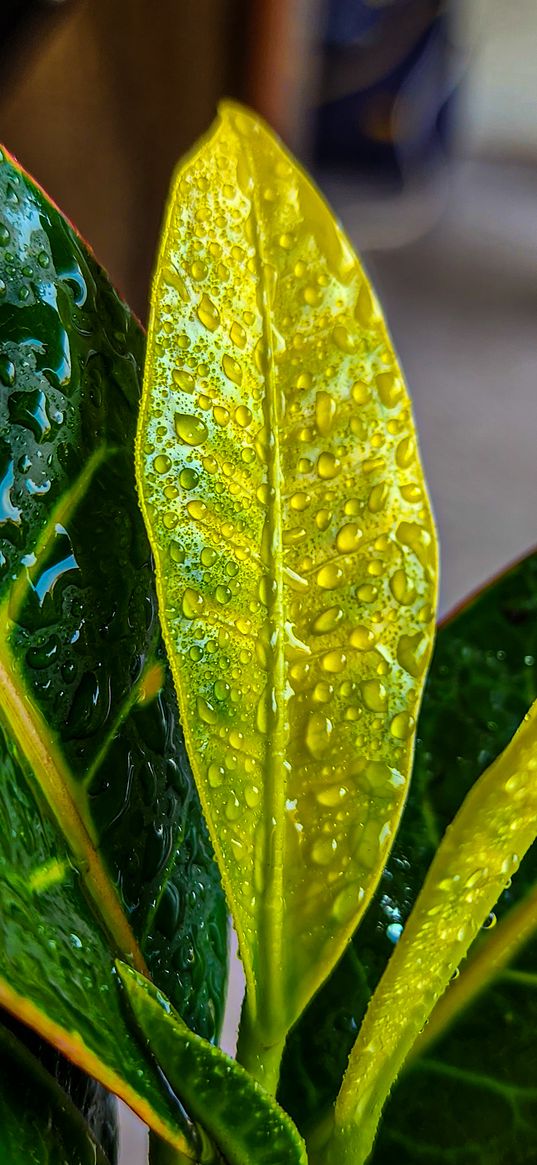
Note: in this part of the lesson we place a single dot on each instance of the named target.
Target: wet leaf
(245, 1122)
(38, 1123)
(465, 1093)
(102, 847)
(475, 860)
(295, 553)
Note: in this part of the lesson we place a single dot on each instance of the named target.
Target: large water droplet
(374, 695)
(327, 620)
(190, 429)
(208, 314)
(318, 733)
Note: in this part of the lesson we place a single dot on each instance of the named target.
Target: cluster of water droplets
(283, 485)
(78, 606)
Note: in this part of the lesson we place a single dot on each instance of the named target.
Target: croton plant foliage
(217, 609)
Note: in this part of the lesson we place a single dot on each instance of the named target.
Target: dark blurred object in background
(384, 106)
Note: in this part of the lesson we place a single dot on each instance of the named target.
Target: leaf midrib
(271, 952)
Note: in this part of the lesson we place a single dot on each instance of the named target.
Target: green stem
(261, 1059)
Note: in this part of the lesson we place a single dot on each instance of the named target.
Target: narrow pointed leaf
(483, 675)
(294, 547)
(476, 858)
(244, 1121)
(38, 1122)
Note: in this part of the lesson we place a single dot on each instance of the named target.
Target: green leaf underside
(294, 547)
(245, 1122)
(469, 1096)
(38, 1123)
(88, 724)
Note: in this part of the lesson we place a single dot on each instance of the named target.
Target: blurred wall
(100, 104)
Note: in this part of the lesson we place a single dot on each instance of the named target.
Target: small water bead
(402, 726)
(243, 416)
(375, 568)
(183, 380)
(221, 690)
(352, 507)
(198, 270)
(322, 519)
(362, 638)
(251, 796)
(170, 520)
(328, 466)
(318, 734)
(322, 692)
(197, 509)
(390, 388)
(327, 620)
(374, 695)
(377, 498)
(348, 538)
(347, 902)
(221, 415)
(4, 235)
(232, 369)
(208, 314)
(323, 850)
(162, 463)
(490, 921)
(418, 539)
(216, 776)
(210, 465)
(204, 401)
(372, 465)
(311, 295)
(325, 412)
(334, 661)
(331, 795)
(170, 492)
(177, 553)
(206, 711)
(191, 430)
(7, 371)
(412, 653)
(367, 593)
(196, 653)
(329, 576)
(300, 501)
(401, 588)
(412, 493)
(365, 307)
(192, 603)
(394, 932)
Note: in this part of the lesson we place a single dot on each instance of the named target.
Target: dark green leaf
(39, 1125)
(482, 679)
(97, 802)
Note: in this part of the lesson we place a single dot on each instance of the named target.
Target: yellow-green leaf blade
(480, 851)
(295, 550)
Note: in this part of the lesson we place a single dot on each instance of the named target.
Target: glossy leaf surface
(96, 797)
(469, 1096)
(78, 620)
(38, 1124)
(294, 546)
(245, 1123)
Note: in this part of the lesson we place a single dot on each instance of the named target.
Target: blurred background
(418, 119)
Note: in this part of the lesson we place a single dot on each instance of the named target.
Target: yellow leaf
(295, 552)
